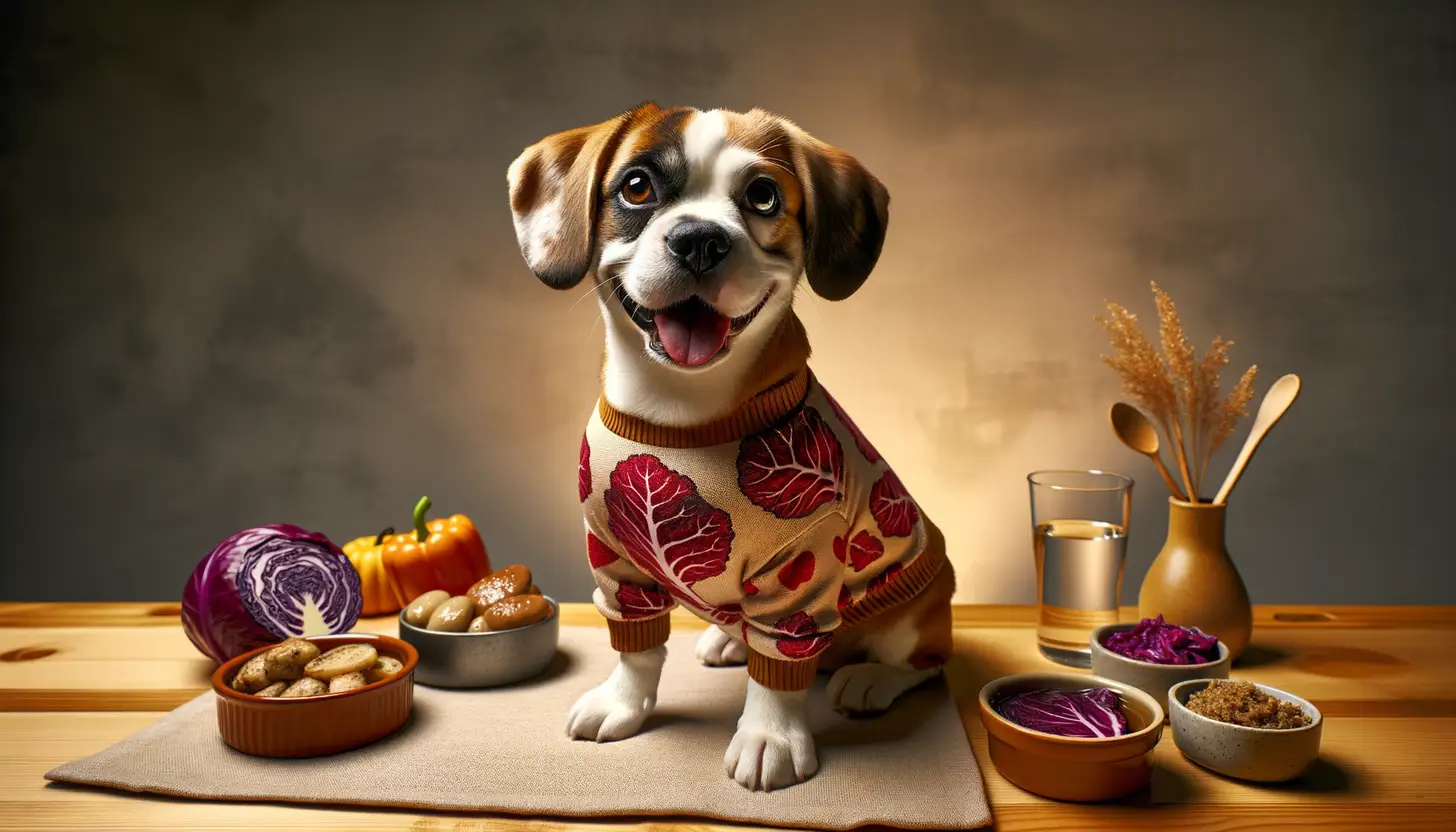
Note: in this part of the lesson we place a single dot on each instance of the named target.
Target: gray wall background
(258, 265)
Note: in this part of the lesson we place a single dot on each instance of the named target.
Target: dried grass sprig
(1136, 361)
(1179, 355)
(1210, 367)
(1177, 388)
(1235, 407)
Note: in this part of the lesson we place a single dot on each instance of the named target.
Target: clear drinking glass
(1079, 525)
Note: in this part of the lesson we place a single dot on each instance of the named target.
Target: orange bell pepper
(381, 597)
(445, 553)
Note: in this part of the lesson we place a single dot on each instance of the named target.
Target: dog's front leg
(773, 747)
(616, 709)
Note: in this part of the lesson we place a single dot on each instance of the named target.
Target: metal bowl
(483, 660)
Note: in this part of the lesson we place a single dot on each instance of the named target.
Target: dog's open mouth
(690, 333)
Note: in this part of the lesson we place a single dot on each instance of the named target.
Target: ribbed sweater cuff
(903, 588)
(781, 674)
(637, 634)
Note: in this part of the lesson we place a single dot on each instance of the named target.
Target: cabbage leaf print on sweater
(779, 523)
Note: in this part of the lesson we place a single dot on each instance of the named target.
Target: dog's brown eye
(762, 197)
(637, 188)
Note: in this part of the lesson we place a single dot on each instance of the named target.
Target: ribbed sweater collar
(763, 409)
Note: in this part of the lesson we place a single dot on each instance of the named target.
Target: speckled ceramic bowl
(1072, 768)
(1265, 755)
(1153, 679)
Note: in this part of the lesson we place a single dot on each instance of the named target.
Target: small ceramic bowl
(1152, 679)
(484, 660)
(1264, 755)
(1073, 768)
(316, 725)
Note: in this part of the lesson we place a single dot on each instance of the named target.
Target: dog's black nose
(698, 244)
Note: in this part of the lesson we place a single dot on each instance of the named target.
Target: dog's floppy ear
(555, 187)
(847, 211)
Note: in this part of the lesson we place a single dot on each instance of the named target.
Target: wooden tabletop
(75, 678)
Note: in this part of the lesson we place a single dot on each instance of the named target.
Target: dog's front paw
(772, 747)
(718, 649)
(604, 715)
(767, 760)
(616, 709)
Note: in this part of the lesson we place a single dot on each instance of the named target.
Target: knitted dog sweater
(779, 522)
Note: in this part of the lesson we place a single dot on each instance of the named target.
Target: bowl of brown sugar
(1244, 730)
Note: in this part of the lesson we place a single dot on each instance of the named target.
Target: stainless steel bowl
(483, 660)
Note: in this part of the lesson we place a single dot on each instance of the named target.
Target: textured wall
(258, 265)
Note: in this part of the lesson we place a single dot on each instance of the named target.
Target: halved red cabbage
(253, 588)
(1091, 713)
(1156, 641)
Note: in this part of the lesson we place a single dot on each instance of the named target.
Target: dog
(716, 473)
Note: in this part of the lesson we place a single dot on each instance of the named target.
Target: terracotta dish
(1152, 679)
(1073, 768)
(317, 725)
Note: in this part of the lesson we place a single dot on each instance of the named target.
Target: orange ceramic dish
(316, 725)
(1073, 768)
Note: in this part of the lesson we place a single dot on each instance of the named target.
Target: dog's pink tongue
(692, 333)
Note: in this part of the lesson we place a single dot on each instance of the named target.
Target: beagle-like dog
(716, 473)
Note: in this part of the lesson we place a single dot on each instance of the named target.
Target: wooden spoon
(1280, 396)
(1136, 432)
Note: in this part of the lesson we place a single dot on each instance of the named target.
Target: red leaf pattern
(844, 597)
(794, 469)
(598, 553)
(864, 550)
(796, 572)
(881, 580)
(860, 440)
(639, 602)
(583, 471)
(749, 588)
(892, 507)
(669, 531)
(801, 637)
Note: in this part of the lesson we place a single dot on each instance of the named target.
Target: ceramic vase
(1193, 581)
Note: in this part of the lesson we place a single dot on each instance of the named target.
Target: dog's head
(696, 225)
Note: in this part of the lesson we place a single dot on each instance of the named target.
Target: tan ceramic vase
(1193, 581)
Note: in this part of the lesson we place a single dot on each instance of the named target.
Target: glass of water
(1079, 525)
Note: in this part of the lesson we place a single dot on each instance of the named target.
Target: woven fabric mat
(911, 767)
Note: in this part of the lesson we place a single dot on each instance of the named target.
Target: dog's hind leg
(716, 648)
(871, 687)
(903, 653)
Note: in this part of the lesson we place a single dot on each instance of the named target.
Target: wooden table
(75, 678)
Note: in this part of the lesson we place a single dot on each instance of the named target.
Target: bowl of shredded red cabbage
(1155, 641)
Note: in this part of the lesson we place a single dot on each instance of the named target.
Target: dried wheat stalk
(1179, 355)
(1177, 388)
(1206, 413)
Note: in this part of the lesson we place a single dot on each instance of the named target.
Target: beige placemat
(506, 751)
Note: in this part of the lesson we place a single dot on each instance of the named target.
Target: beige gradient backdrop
(258, 265)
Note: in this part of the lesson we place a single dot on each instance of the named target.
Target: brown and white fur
(781, 206)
